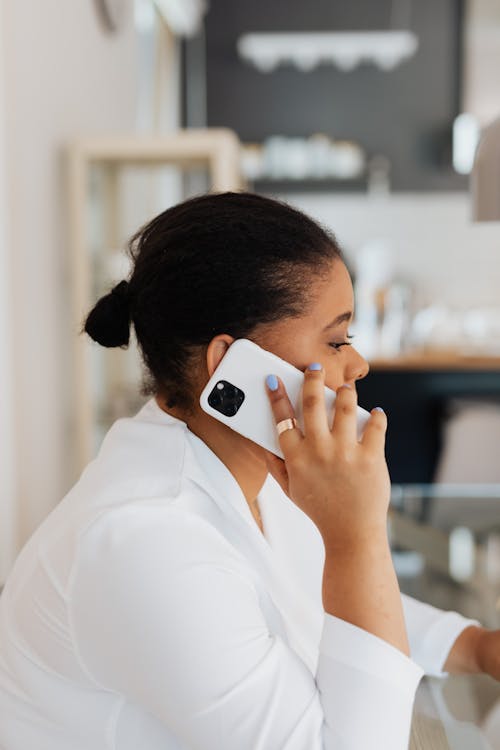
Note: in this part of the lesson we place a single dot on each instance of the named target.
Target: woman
(193, 590)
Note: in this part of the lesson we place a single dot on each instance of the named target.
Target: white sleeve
(164, 612)
(431, 633)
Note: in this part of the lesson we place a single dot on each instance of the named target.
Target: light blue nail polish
(272, 382)
(379, 408)
(314, 366)
(346, 385)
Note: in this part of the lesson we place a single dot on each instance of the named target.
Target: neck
(244, 459)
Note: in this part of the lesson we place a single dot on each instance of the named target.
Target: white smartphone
(236, 394)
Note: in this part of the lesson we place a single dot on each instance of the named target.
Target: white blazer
(149, 611)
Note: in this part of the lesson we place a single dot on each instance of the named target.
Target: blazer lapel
(302, 617)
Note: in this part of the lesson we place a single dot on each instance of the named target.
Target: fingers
(344, 425)
(313, 404)
(375, 430)
(282, 409)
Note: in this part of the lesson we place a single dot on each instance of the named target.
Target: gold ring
(286, 424)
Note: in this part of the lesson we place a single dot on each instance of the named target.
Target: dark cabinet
(416, 403)
(405, 114)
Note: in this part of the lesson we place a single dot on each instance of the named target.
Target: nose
(357, 366)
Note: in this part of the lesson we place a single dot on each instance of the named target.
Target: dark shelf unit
(405, 114)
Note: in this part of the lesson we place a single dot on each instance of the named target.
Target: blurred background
(378, 117)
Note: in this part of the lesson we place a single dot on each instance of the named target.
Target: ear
(216, 350)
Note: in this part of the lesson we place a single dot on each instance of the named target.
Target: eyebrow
(338, 320)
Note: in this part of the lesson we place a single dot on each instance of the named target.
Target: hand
(487, 652)
(343, 485)
(476, 650)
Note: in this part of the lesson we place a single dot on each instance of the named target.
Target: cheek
(293, 346)
(334, 372)
(298, 347)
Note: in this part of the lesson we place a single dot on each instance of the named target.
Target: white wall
(481, 60)
(8, 520)
(435, 244)
(63, 75)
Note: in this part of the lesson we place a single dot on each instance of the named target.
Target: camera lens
(226, 398)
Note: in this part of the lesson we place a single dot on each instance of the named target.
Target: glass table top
(445, 542)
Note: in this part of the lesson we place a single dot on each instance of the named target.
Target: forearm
(463, 655)
(360, 586)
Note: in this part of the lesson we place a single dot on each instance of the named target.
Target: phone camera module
(226, 398)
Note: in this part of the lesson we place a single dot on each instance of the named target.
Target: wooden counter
(436, 360)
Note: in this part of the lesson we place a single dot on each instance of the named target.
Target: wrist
(480, 649)
(372, 539)
(466, 654)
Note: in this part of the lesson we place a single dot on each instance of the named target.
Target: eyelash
(337, 346)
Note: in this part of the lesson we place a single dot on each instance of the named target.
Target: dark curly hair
(216, 263)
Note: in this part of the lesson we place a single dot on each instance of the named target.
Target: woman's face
(312, 337)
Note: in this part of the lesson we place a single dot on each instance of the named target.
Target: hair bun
(121, 290)
(108, 322)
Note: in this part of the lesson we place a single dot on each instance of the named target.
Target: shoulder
(143, 561)
(152, 535)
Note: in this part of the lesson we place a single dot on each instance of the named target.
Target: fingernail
(314, 366)
(346, 385)
(272, 382)
(379, 408)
